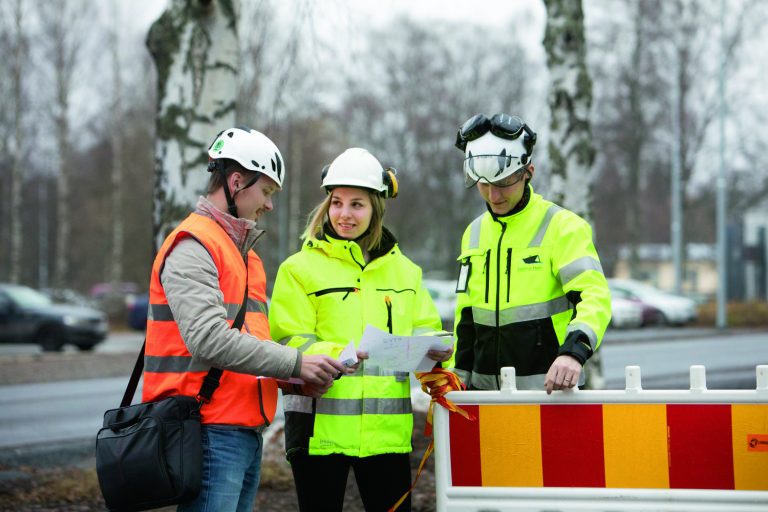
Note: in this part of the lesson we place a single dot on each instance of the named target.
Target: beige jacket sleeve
(191, 283)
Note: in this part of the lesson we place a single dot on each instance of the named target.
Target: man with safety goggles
(531, 290)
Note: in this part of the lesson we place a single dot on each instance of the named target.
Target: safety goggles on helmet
(503, 126)
(496, 149)
(494, 160)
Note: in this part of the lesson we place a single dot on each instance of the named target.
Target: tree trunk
(570, 143)
(194, 46)
(116, 261)
(18, 153)
(638, 137)
(62, 145)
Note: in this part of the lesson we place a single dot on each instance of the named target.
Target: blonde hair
(318, 216)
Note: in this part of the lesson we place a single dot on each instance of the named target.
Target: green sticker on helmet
(219, 144)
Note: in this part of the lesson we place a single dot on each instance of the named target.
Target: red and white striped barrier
(609, 450)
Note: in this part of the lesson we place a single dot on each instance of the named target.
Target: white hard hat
(491, 159)
(251, 149)
(356, 167)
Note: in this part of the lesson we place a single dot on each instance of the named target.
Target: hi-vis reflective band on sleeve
(651, 446)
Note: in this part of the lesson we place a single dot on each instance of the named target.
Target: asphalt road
(129, 341)
(72, 410)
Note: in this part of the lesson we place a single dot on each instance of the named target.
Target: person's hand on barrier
(563, 374)
(320, 370)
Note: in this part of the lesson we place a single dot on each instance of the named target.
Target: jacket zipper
(498, 300)
(388, 302)
(351, 254)
(487, 270)
(348, 289)
(509, 268)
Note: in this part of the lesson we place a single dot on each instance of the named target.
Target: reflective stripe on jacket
(241, 399)
(323, 297)
(534, 276)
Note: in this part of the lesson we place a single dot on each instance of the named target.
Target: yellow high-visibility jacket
(530, 278)
(323, 297)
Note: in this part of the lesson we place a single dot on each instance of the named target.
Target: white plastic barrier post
(608, 450)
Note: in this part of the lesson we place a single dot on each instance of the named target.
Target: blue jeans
(231, 470)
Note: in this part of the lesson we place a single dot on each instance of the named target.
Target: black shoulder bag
(149, 455)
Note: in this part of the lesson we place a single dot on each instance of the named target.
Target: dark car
(28, 316)
(137, 312)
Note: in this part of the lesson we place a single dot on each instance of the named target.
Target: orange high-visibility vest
(169, 368)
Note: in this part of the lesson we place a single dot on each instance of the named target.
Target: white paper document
(348, 356)
(402, 353)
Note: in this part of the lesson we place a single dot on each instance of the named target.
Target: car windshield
(27, 297)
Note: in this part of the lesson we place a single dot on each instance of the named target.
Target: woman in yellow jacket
(350, 273)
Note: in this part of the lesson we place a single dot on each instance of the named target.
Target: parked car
(28, 316)
(137, 312)
(443, 293)
(625, 313)
(114, 298)
(68, 296)
(671, 309)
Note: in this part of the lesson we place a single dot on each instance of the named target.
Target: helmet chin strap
(231, 206)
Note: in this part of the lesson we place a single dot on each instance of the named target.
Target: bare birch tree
(195, 49)
(15, 203)
(64, 30)
(116, 135)
(571, 153)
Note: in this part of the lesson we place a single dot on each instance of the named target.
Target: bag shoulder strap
(211, 380)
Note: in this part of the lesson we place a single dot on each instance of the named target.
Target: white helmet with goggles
(356, 167)
(495, 149)
(253, 150)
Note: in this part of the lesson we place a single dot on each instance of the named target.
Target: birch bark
(195, 49)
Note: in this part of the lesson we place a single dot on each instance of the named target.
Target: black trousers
(321, 481)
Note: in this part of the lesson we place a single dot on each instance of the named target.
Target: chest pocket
(530, 274)
(397, 306)
(333, 307)
(474, 276)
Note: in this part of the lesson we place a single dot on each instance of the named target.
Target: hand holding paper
(404, 353)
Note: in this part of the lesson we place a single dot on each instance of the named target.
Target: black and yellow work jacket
(529, 279)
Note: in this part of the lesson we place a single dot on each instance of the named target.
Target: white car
(625, 313)
(443, 293)
(676, 310)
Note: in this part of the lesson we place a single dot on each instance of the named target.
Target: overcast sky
(360, 15)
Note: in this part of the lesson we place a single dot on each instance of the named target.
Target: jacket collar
(526, 203)
(243, 232)
(337, 247)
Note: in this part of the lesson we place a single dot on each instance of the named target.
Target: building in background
(754, 255)
(656, 267)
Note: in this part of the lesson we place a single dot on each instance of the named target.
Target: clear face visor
(496, 170)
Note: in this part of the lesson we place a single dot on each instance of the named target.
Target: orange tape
(436, 383)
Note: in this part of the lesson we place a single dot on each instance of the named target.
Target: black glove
(577, 346)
